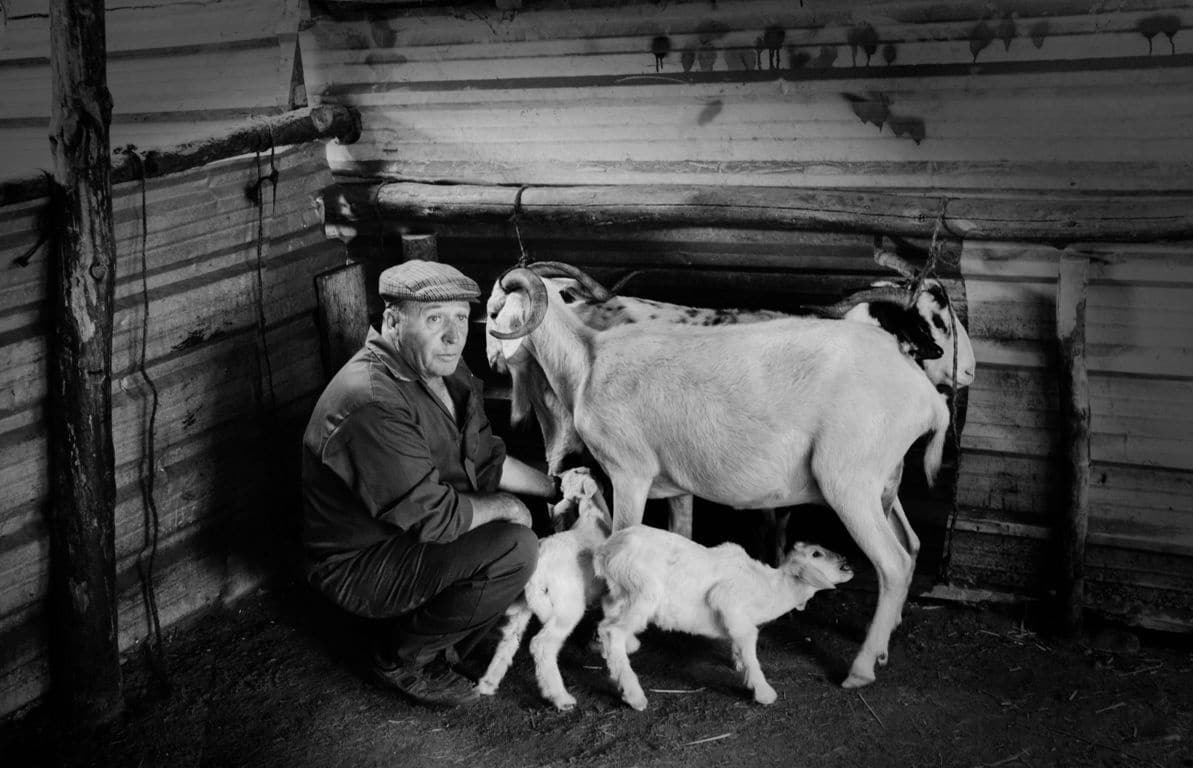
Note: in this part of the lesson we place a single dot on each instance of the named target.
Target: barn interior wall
(214, 322)
(178, 70)
(1029, 100)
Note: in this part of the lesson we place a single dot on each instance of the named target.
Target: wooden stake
(1074, 411)
(85, 654)
(343, 314)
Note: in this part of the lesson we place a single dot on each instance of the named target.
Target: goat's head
(581, 497)
(516, 307)
(816, 566)
(520, 297)
(924, 323)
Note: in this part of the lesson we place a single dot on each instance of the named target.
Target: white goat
(768, 414)
(558, 592)
(927, 329)
(662, 579)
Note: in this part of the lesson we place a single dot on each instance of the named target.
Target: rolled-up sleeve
(383, 455)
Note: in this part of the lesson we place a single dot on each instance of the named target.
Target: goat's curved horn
(559, 269)
(892, 260)
(522, 279)
(884, 295)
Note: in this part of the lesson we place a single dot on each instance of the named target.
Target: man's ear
(391, 317)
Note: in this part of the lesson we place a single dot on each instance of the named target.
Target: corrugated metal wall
(1048, 94)
(178, 70)
(232, 350)
(1020, 99)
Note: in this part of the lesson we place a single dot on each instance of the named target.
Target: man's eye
(434, 319)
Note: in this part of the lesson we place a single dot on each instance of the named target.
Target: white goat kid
(662, 579)
(769, 414)
(558, 592)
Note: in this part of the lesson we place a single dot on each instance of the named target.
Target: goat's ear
(589, 488)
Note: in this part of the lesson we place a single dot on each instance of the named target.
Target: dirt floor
(272, 683)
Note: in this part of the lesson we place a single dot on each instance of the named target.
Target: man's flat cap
(417, 280)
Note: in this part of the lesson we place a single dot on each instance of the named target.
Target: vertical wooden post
(420, 245)
(343, 314)
(1074, 414)
(85, 654)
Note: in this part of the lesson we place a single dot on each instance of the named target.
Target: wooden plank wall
(1035, 94)
(178, 70)
(232, 352)
(1140, 357)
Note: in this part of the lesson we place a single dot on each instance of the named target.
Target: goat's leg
(898, 520)
(517, 616)
(774, 527)
(624, 618)
(680, 508)
(629, 498)
(744, 635)
(863, 517)
(544, 647)
(614, 650)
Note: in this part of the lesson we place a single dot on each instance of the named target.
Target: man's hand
(488, 507)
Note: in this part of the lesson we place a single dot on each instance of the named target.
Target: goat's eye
(492, 315)
(817, 553)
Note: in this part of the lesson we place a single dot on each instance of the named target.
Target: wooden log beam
(299, 126)
(1073, 378)
(1029, 217)
(85, 654)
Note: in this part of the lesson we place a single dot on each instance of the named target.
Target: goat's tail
(934, 452)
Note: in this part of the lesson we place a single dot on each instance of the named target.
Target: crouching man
(408, 515)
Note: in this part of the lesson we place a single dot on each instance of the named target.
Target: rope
(45, 224)
(524, 258)
(260, 270)
(148, 552)
(935, 256)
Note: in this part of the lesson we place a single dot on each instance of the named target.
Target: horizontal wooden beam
(1056, 218)
(295, 127)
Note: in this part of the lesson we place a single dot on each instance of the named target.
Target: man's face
(430, 336)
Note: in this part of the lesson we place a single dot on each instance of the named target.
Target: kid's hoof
(564, 703)
(637, 702)
(857, 681)
(765, 695)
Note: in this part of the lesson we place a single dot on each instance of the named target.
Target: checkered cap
(417, 280)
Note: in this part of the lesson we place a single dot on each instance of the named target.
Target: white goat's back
(733, 414)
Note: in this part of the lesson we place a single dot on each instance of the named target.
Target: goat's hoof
(765, 695)
(637, 702)
(857, 681)
(564, 703)
(486, 688)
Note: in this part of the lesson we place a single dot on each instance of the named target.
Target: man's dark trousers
(434, 596)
